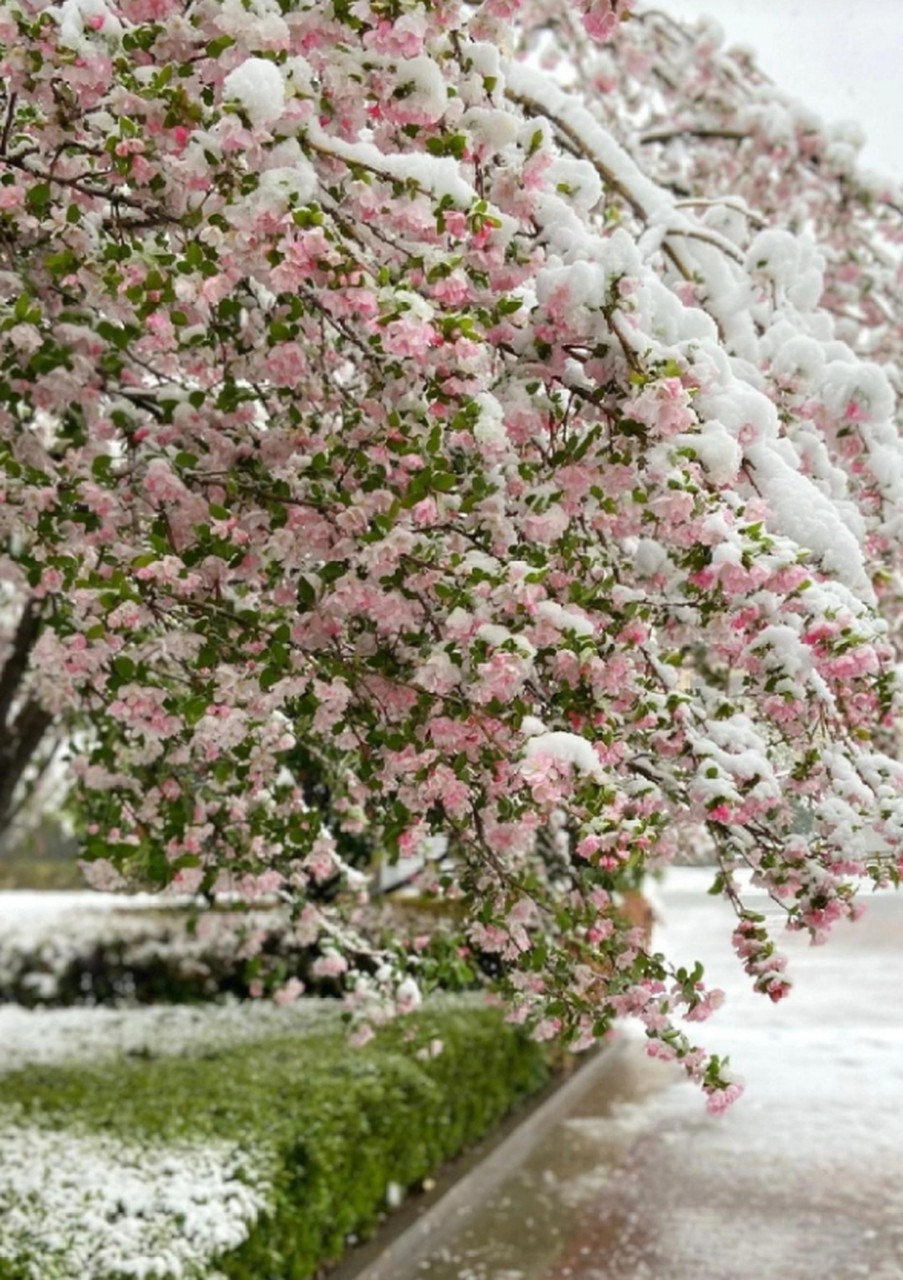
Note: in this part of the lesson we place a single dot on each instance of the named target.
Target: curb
(424, 1223)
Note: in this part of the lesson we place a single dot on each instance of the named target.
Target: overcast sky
(843, 58)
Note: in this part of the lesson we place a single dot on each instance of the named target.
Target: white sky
(843, 58)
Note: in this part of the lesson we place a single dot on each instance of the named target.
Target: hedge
(338, 1125)
(168, 954)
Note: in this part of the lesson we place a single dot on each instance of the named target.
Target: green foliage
(334, 1125)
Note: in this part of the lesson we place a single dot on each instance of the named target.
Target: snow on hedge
(42, 935)
(86, 1206)
(51, 1037)
(99, 1207)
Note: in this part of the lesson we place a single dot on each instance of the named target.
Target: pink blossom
(707, 1004)
(289, 992)
(188, 880)
(426, 512)
(408, 337)
(719, 1100)
(600, 21)
(330, 965)
(402, 38)
(100, 874)
(547, 527)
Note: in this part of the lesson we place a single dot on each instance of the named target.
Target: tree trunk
(23, 721)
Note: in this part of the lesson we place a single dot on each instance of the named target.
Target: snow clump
(258, 85)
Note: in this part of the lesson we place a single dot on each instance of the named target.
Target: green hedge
(340, 1124)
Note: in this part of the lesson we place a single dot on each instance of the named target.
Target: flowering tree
(385, 380)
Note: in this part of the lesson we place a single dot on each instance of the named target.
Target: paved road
(802, 1180)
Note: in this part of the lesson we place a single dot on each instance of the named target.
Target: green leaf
(195, 709)
(219, 45)
(332, 571)
(39, 198)
(23, 310)
(449, 144)
(112, 333)
(62, 264)
(307, 596)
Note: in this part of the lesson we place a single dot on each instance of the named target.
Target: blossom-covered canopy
(491, 413)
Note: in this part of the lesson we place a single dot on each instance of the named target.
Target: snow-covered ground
(804, 1177)
(801, 1180)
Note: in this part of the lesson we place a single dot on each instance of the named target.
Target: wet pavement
(801, 1180)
